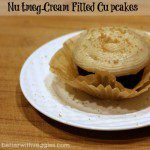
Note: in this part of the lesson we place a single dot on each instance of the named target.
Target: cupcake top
(118, 50)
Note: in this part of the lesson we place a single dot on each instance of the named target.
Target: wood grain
(19, 121)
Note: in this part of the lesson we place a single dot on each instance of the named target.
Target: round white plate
(50, 96)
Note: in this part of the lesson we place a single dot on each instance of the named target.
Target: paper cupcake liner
(101, 84)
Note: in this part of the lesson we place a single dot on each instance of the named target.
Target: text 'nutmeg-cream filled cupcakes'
(108, 62)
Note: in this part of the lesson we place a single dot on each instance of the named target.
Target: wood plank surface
(19, 121)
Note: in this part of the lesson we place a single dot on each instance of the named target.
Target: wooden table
(19, 121)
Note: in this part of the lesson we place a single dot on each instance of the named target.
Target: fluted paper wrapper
(101, 84)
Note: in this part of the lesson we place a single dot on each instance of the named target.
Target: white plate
(56, 100)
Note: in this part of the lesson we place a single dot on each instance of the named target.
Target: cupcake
(107, 62)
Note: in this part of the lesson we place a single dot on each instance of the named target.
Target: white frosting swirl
(118, 50)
